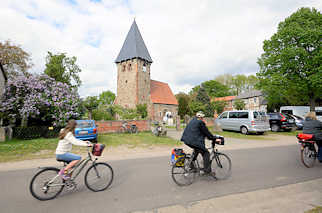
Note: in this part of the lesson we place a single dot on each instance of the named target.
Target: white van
(244, 121)
(301, 111)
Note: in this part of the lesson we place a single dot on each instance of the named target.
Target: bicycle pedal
(70, 185)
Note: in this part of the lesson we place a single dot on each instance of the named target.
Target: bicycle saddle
(60, 160)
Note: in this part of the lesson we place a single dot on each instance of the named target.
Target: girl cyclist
(64, 148)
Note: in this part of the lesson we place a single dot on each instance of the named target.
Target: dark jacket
(195, 132)
(313, 127)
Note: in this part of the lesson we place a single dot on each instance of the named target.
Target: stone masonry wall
(114, 126)
(126, 84)
(143, 82)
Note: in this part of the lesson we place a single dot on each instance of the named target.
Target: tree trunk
(312, 104)
(90, 114)
(24, 121)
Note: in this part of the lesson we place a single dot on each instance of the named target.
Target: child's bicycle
(185, 170)
(47, 184)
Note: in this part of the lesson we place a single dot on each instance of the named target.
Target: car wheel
(275, 128)
(244, 130)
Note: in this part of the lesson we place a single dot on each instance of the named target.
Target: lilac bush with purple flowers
(40, 97)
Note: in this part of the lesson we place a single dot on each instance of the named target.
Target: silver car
(244, 121)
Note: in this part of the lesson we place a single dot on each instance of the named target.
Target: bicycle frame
(81, 164)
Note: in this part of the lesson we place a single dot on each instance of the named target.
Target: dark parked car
(279, 121)
(86, 130)
(299, 121)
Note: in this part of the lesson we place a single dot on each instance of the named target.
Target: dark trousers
(205, 155)
(319, 143)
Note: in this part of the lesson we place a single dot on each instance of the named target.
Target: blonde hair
(70, 127)
(311, 115)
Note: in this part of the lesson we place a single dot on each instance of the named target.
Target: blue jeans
(68, 157)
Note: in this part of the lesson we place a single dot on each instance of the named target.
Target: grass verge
(317, 209)
(17, 150)
(238, 135)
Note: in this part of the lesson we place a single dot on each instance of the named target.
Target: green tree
(291, 62)
(239, 84)
(239, 104)
(14, 59)
(63, 69)
(106, 98)
(90, 103)
(219, 106)
(203, 98)
(183, 101)
(141, 109)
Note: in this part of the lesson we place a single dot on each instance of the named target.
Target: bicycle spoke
(46, 184)
(183, 174)
(99, 177)
(221, 166)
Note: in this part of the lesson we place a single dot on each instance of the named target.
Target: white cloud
(189, 41)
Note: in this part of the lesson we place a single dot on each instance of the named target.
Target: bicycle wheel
(99, 177)
(122, 129)
(181, 172)
(221, 166)
(46, 184)
(135, 130)
(308, 156)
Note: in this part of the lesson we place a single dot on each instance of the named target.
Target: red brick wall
(114, 126)
(209, 121)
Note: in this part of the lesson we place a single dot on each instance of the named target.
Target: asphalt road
(145, 184)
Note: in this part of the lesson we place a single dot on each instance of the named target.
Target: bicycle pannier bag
(176, 154)
(98, 149)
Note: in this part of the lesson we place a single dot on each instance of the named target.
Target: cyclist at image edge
(194, 136)
(64, 148)
(313, 126)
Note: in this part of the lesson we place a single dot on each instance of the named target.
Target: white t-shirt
(65, 145)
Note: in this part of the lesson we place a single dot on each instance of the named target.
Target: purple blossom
(40, 95)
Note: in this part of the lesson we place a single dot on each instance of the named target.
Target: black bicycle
(127, 128)
(185, 169)
(47, 184)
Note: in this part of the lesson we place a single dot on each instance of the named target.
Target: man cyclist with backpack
(194, 136)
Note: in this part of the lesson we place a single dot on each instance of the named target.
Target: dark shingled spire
(133, 46)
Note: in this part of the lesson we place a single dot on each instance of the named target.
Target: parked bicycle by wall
(128, 128)
(159, 129)
(48, 184)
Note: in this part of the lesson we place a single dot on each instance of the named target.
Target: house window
(160, 114)
(255, 99)
(129, 67)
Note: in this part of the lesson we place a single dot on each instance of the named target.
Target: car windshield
(84, 124)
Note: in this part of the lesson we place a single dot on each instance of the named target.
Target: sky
(190, 41)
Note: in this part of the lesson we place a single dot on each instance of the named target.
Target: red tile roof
(162, 94)
(227, 98)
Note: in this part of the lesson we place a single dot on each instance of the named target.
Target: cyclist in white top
(64, 148)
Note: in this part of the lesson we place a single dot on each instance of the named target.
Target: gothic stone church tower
(134, 85)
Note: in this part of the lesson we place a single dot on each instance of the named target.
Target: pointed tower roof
(133, 46)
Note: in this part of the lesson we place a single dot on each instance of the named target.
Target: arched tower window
(123, 68)
(129, 67)
(144, 67)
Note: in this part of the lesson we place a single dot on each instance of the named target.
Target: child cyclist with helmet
(64, 147)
